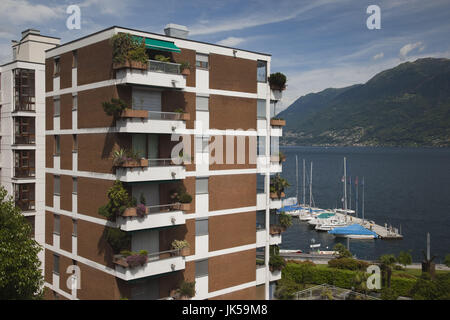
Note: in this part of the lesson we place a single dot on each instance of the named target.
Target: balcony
(155, 217)
(274, 239)
(157, 263)
(24, 172)
(157, 74)
(26, 205)
(261, 275)
(151, 170)
(261, 202)
(142, 121)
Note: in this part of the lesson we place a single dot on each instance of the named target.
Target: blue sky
(316, 43)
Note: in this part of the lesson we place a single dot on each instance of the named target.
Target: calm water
(403, 187)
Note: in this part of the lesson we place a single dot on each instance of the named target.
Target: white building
(22, 127)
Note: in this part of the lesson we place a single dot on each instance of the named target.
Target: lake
(404, 187)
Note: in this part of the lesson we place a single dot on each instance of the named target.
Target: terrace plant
(285, 220)
(118, 240)
(185, 67)
(277, 81)
(278, 185)
(276, 262)
(180, 244)
(187, 289)
(119, 200)
(127, 49)
(114, 108)
(160, 57)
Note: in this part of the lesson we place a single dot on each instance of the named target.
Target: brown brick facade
(234, 74)
(231, 230)
(232, 113)
(95, 63)
(91, 195)
(66, 70)
(232, 191)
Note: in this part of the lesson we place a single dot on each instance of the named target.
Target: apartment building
(22, 131)
(226, 97)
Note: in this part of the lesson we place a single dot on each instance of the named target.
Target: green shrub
(277, 81)
(126, 48)
(187, 289)
(114, 108)
(348, 263)
(277, 262)
(185, 198)
(402, 286)
(285, 220)
(118, 201)
(342, 251)
(179, 244)
(118, 240)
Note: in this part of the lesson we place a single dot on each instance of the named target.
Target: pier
(387, 232)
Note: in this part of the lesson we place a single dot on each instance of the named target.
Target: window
(74, 185)
(202, 103)
(261, 106)
(57, 146)
(202, 61)
(56, 67)
(261, 71)
(74, 228)
(55, 264)
(201, 268)
(24, 90)
(74, 143)
(56, 185)
(56, 224)
(201, 185)
(201, 227)
(74, 102)
(74, 59)
(56, 107)
(261, 145)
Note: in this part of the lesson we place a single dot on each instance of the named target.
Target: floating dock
(387, 232)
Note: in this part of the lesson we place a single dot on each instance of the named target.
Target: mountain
(408, 105)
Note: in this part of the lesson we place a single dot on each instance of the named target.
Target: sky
(317, 44)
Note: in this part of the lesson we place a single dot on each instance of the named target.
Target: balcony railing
(26, 205)
(161, 163)
(23, 172)
(25, 138)
(25, 107)
(165, 67)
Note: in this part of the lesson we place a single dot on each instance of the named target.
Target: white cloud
(408, 48)
(21, 11)
(231, 41)
(258, 18)
(378, 56)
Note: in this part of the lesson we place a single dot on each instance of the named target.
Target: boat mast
(357, 199)
(310, 186)
(304, 183)
(345, 187)
(350, 195)
(363, 199)
(296, 173)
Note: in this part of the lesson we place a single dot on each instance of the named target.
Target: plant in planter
(277, 81)
(278, 184)
(186, 290)
(277, 121)
(285, 220)
(182, 197)
(114, 108)
(160, 57)
(138, 259)
(181, 245)
(119, 157)
(118, 201)
(141, 209)
(118, 240)
(276, 262)
(128, 52)
(182, 114)
(281, 156)
(185, 68)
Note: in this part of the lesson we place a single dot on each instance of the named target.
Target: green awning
(159, 44)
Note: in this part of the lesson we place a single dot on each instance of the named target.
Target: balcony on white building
(151, 170)
(158, 74)
(143, 121)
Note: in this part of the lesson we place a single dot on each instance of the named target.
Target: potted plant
(128, 159)
(277, 81)
(276, 263)
(119, 201)
(185, 68)
(160, 57)
(285, 220)
(182, 246)
(128, 52)
(130, 259)
(277, 185)
(114, 108)
(186, 290)
(182, 115)
(185, 201)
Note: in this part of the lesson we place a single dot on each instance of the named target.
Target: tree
(20, 273)
(404, 258)
(342, 251)
(447, 260)
(387, 261)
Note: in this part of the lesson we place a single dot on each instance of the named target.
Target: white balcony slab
(151, 268)
(260, 275)
(150, 173)
(274, 275)
(136, 125)
(260, 201)
(276, 95)
(153, 220)
(261, 238)
(150, 78)
(276, 131)
(275, 203)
